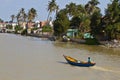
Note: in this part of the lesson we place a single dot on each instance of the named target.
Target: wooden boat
(75, 62)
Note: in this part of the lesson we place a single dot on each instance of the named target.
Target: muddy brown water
(29, 58)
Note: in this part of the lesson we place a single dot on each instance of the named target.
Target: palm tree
(12, 17)
(25, 17)
(91, 6)
(18, 16)
(32, 14)
(81, 9)
(94, 15)
(79, 17)
(57, 9)
(1, 20)
(52, 7)
(21, 16)
(84, 25)
(71, 9)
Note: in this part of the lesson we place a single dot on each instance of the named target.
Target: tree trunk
(48, 15)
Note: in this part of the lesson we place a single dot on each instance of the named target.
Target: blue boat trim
(75, 62)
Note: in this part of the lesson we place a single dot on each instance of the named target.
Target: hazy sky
(9, 7)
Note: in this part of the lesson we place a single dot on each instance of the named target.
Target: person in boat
(89, 60)
(78, 61)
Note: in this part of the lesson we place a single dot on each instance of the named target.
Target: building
(72, 32)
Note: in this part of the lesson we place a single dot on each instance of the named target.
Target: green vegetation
(91, 41)
(46, 29)
(61, 24)
(112, 20)
(85, 18)
(52, 7)
(32, 14)
(1, 20)
(88, 18)
(23, 17)
(18, 29)
(24, 32)
(9, 26)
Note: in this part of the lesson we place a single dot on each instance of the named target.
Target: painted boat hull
(77, 63)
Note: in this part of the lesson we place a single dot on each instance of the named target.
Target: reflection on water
(28, 58)
(91, 48)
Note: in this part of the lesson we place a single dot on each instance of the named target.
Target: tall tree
(81, 22)
(61, 24)
(12, 17)
(25, 17)
(112, 19)
(79, 17)
(32, 14)
(21, 16)
(91, 6)
(1, 20)
(71, 9)
(95, 22)
(52, 7)
(94, 15)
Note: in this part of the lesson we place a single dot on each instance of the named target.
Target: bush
(92, 41)
(9, 26)
(47, 29)
(18, 28)
(24, 32)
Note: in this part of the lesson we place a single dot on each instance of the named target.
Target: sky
(10, 7)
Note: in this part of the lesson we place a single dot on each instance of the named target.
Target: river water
(28, 58)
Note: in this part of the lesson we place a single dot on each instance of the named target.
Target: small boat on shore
(75, 62)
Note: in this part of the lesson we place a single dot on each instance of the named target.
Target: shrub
(92, 41)
(47, 29)
(24, 32)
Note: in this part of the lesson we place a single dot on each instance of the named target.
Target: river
(29, 58)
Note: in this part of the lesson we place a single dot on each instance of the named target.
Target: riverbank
(107, 44)
(111, 44)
